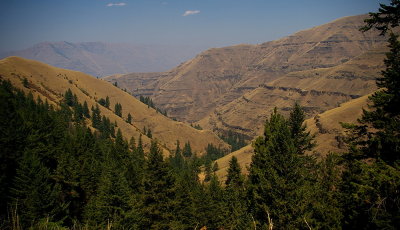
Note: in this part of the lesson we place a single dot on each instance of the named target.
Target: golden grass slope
(204, 85)
(317, 90)
(326, 127)
(51, 83)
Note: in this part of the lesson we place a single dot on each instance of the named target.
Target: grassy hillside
(51, 83)
(326, 127)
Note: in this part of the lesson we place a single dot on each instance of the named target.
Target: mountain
(50, 83)
(326, 126)
(317, 90)
(100, 59)
(234, 88)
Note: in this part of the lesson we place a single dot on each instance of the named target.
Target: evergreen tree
(69, 98)
(207, 171)
(107, 102)
(159, 185)
(35, 196)
(118, 109)
(96, 117)
(371, 177)
(187, 150)
(176, 160)
(112, 201)
(236, 213)
(277, 178)
(129, 119)
(234, 177)
(86, 110)
(140, 149)
(303, 140)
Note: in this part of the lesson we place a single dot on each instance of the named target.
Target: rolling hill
(50, 83)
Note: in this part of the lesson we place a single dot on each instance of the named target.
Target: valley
(235, 88)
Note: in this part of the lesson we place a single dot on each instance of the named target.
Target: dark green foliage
(197, 126)
(278, 178)
(69, 98)
(96, 117)
(118, 109)
(150, 104)
(187, 150)
(303, 140)
(236, 213)
(234, 178)
(213, 153)
(104, 102)
(129, 118)
(107, 102)
(159, 185)
(33, 192)
(235, 140)
(370, 187)
(147, 101)
(385, 19)
(371, 197)
(85, 110)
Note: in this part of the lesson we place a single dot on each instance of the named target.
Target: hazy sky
(207, 23)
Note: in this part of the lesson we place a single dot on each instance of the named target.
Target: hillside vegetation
(51, 83)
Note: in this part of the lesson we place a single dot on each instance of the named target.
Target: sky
(205, 23)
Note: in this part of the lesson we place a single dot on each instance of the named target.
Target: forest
(69, 167)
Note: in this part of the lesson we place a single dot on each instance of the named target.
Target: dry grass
(51, 83)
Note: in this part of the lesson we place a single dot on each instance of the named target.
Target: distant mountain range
(101, 59)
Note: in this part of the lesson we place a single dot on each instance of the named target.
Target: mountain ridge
(101, 58)
(50, 83)
(208, 87)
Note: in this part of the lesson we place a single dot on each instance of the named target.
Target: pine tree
(118, 109)
(236, 213)
(277, 177)
(129, 119)
(234, 177)
(187, 150)
(35, 196)
(96, 117)
(303, 140)
(371, 177)
(86, 110)
(159, 185)
(107, 102)
(69, 98)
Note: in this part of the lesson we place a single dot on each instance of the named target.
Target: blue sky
(206, 23)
